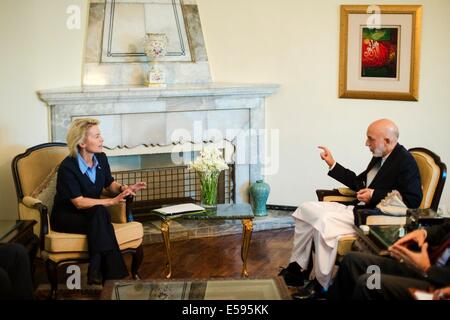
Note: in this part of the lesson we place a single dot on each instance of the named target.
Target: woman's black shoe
(94, 274)
(94, 278)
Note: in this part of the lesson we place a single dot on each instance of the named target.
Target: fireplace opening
(167, 184)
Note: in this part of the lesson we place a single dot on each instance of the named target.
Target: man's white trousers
(321, 223)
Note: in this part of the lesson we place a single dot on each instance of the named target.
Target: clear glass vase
(208, 185)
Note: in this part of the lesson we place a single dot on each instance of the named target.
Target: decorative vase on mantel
(155, 47)
(259, 192)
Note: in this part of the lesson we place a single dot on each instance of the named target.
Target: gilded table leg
(247, 228)
(166, 237)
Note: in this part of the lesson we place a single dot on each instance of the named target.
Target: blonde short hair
(77, 133)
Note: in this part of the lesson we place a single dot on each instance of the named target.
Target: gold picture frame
(380, 52)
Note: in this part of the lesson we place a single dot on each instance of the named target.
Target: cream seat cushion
(72, 242)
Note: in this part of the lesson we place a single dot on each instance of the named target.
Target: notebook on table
(180, 209)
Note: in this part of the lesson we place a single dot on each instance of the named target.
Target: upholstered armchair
(432, 172)
(34, 173)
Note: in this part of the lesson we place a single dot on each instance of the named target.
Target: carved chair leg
(138, 256)
(52, 274)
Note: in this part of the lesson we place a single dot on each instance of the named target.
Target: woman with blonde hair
(77, 206)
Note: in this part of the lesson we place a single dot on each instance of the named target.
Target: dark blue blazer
(71, 183)
(399, 172)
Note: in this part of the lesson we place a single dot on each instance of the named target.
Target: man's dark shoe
(293, 275)
(313, 290)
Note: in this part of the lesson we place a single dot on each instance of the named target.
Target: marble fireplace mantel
(146, 124)
(144, 120)
(133, 93)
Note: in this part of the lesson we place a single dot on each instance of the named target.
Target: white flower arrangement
(208, 166)
(210, 160)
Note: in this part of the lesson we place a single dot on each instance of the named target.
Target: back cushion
(429, 176)
(35, 167)
(47, 189)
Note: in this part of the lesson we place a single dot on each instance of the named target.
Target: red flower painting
(379, 53)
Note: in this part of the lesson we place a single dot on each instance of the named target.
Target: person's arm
(326, 156)
(378, 195)
(409, 184)
(442, 294)
(418, 236)
(439, 276)
(347, 177)
(435, 236)
(437, 233)
(113, 186)
(337, 171)
(116, 188)
(86, 203)
(420, 261)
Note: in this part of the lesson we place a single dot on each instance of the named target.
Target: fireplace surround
(138, 121)
(145, 127)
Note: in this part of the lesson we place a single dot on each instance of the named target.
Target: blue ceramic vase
(259, 192)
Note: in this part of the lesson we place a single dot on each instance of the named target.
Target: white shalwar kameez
(322, 223)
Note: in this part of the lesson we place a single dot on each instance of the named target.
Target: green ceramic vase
(259, 192)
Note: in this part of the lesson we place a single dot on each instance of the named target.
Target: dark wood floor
(209, 257)
(221, 256)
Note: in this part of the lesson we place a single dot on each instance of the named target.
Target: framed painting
(379, 52)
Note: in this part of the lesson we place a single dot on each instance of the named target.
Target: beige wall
(37, 52)
(296, 44)
(290, 42)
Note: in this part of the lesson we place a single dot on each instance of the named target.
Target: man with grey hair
(392, 168)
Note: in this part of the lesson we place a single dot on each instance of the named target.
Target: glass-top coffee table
(379, 238)
(242, 211)
(196, 289)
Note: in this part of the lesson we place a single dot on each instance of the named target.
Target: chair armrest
(347, 192)
(34, 203)
(345, 244)
(120, 213)
(30, 202)
(341, 195)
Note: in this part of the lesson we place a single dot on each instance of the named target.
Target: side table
(241, 212)
(20, 231)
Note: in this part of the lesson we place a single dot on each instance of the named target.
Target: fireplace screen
(172, 185)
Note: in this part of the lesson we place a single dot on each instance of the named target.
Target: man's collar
(383, 159)
(83, 165)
